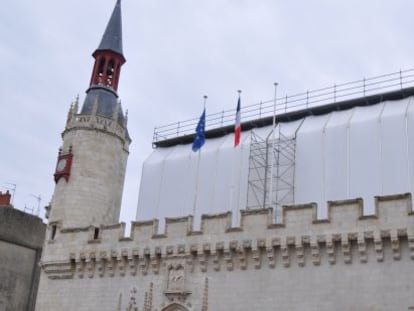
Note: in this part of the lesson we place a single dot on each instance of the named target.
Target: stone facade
(21, 241)
(349, 261)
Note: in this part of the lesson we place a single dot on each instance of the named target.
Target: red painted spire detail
(109, 56)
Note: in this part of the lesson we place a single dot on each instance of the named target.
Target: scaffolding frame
(259, 194)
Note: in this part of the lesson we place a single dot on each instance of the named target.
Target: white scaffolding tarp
(362, 152)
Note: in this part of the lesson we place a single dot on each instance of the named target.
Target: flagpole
(240, 150)
(198, 167)
(235, 215)
(273, 145)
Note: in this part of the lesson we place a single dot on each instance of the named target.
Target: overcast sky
(177, 51)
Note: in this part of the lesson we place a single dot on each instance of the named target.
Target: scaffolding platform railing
(312, 98)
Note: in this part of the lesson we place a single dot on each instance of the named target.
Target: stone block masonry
(21, 241)
(349, 261)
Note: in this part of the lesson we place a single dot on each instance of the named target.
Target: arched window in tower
(110, 72)
(101, 70)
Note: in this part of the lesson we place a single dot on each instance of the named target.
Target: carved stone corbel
(216, 261)
(379, 252)
(346, 249)
(100, 267)
(316, 257)
(362, 248)
(242, 258)
(270, 254)
(155, 264)
(90, 267)
(300, 254)
(110, 267)
(411, 245)
(121, 265)
(228, 258)
(284, 249)
(202, 260)
(330, 250)
(132, 264)
(257, 259)
(143, 265)
(80, 267)
(395, 245)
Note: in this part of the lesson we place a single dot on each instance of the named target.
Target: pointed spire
(112, 38)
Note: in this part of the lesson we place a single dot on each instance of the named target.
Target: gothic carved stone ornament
(176, 282)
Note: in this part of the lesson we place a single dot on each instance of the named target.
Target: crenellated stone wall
(349, 261)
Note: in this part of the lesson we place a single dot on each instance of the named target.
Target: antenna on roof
(39, 199)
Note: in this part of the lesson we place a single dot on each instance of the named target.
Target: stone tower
(91, 164)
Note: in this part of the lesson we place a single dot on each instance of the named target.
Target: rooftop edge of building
(293, 116)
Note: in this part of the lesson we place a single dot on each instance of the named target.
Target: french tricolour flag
(237, 126)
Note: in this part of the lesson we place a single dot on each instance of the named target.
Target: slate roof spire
(112, 38)
(102, 97)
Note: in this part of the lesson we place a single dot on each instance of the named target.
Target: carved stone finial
(132, 304)
(126, 118)
(119, 302)
(70, 113)
(149, 306)
(205, 296)
(76, 105)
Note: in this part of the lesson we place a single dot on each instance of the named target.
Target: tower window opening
(101, 69)
(96, 234)
(110, 71)
(111, 68)
(53, 233)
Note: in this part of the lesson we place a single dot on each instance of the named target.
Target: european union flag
(200, 134)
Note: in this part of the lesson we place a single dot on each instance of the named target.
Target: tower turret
(91, 165)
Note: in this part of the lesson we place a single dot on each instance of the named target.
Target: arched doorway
(175, 307)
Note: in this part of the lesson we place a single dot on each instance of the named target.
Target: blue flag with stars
(200, 134)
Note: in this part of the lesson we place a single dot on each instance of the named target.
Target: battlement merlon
(393, 218)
